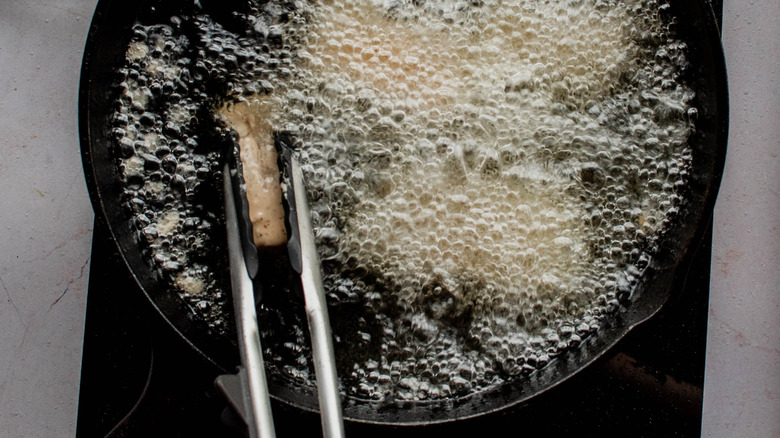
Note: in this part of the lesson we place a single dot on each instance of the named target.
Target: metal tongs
(254, 403)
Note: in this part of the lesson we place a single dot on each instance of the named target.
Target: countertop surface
(46, 225)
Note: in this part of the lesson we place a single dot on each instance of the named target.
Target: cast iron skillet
(106, 45)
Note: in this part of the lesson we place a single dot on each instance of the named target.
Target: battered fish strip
(251, 120)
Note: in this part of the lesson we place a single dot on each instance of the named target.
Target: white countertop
(742, 378)
(46, 223)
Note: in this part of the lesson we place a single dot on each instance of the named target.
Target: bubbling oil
(488, 180)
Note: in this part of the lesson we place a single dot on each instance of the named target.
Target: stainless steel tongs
(255, 404)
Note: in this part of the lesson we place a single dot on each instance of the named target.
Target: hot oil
(488, 181)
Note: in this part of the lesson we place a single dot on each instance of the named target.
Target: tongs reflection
(255, 404)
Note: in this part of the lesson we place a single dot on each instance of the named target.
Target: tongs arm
(305, 261)
(256, 399)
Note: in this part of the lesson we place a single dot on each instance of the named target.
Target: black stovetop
(140, 380)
